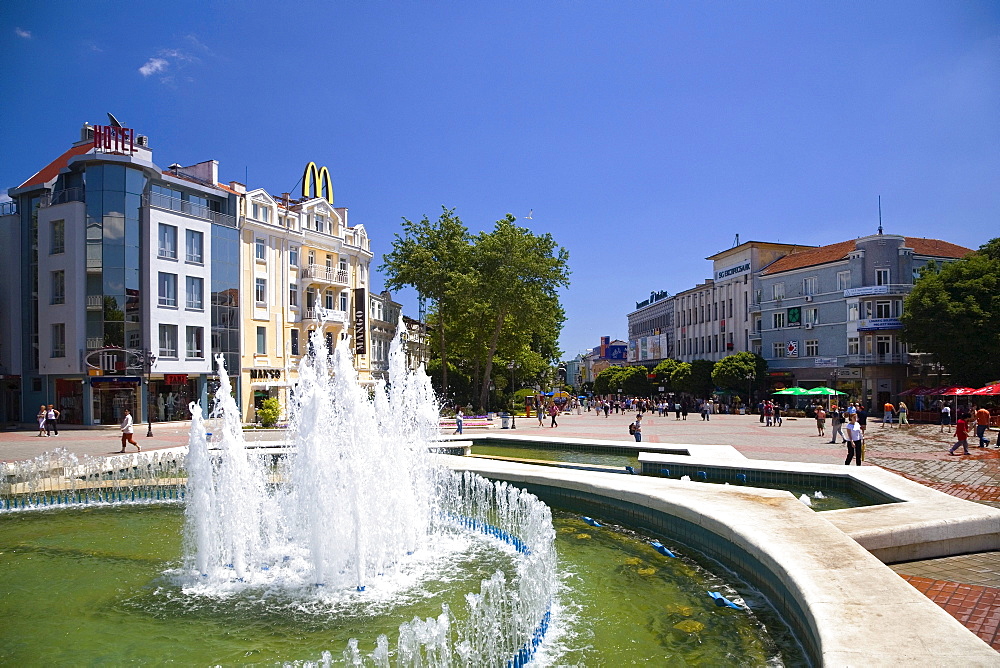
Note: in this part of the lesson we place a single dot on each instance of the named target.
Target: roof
(51, 170)
(840, 251)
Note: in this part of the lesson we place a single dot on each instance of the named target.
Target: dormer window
(261, 212)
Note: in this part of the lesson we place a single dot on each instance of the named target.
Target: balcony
(754, 308)
(879, 290)
(161, 201)
(95, 343)
(63, 196)
(878, 359)
(95, 302)
(326, 315)
(323, 274)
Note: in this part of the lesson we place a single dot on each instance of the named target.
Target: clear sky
(643, 135)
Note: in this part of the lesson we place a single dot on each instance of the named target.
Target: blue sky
(644, 135)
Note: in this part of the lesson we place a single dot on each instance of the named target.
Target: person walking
(553, 412)
(945, 415)
(777, 415)
(540, 414)
(982, 424)
(821, 421)
(887, 412)
(962, 434)
(677, 410)
(42, 412)
(637, 428)
(607, 409)
(458, 421)
(836, 423)
(862, 414)
(51, 420)
(855, 441)
(903, 413)
(126, 427)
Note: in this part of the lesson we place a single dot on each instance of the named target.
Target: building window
(195, 292)
(195, 343)
(260, 250)
(843, 280)
(343, 264)
(59, 340)
(261, 340)
(778, 290)
(260, 291)
(168, 289)
(852, 311)
(168, 242)
(58, 237)
(812, 316)
(312, 257)
(328, 300)
(812, 348)
(778, 347)
(293, 257)
(261, 212)
(853, 346)
(343, 302)
(59, 287)
(779, 320)
(293, 294)
(168, 341)
(295, 341)
(810, 285)
(883, 309)
(881, 277)
(195, 247)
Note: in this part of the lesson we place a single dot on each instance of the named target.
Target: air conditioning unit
(809, 298)
(809, 325)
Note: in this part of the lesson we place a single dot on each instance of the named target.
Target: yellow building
(303, 268)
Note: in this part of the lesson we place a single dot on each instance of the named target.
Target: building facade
(116, 265)
(383, 314)
(651, 330)
(831, 315)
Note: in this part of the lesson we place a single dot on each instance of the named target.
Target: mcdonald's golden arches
(321, 177)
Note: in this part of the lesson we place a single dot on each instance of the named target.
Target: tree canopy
(952, 313)
(737, 371)
(493, 298)
(631, 380)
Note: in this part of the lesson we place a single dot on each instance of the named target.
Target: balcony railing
(328, 315)
(876, 359)
(879, 290)
(95, 302)
(161, 201)
(319, 272)
(95, 343)
(8, 208)
(63, 196)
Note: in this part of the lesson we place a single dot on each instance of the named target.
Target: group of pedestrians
(889, 411)
(981, 419)
(770, 413)
(48, 420)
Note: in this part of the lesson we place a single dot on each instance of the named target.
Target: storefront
(170, 396)
(10, 399)
(69, 400)
(112, 395)
(267, 384)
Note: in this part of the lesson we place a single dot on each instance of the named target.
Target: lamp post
(148, 360)
(513, 400)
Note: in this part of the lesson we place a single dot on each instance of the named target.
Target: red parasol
(915, 391)
(957, 391)
(989, 389)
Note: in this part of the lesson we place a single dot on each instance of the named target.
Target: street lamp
(148, 360)
(513, 400)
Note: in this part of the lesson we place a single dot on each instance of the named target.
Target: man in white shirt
(127, 432)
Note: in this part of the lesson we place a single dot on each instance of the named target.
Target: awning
(273, 383)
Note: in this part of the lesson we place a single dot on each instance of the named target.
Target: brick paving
(964, 585)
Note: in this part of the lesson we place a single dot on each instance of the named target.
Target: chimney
(238, 187)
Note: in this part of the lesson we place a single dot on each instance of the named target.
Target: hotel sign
(734, 271)
(112, 139)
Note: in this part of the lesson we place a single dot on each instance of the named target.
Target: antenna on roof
(737, 242)
(880, 214)
(114, 121)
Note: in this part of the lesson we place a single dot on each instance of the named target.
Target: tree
(739, 371)
(694, 378)
(663, 373)
(952, 313)
(433, 258)
(516, 275)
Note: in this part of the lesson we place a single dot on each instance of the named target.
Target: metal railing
(94, 343)
(8, 208)
(328, 314)
(321, 272)
(876, 359)
(95, 302)
(161, 201)
(63, 196)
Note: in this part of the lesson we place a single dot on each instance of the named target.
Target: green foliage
(952, 313)
(733, 371)
(664, 372)
(694, 378)
(269, 412)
